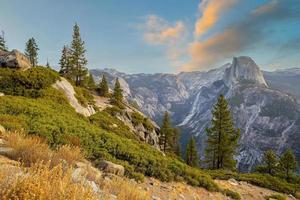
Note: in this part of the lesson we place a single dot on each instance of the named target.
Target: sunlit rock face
(14, 59)
(266, 109)
(243, 69)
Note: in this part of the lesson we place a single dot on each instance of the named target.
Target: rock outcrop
(109, 167)
(66, 87)
(14, 59)
(243, 69)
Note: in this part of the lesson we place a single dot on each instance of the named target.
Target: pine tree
(166, 132)
(222, 137)
(191, 153)
(288, 163)
(65, 63)
(3, 43)
(117, 97)
(78, 60)
(47, 64)
(90, 82)
(31, 51)
(270, 161)
(175, 142)
(103, 87)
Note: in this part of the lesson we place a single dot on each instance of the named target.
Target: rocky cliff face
(267, 116)
(67, 88)
(243, 69)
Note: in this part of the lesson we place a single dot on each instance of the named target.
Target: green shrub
(275, 196)
(105, 121)
(58, 122)
(113, 111)
(84, 96)
(137, 119)
(29, 83)
(262, 180)
(232, 194)
(138, 177)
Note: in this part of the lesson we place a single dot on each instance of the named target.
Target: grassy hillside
(36, 108)
(50, 116)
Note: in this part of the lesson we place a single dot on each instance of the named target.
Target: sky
(150, 36)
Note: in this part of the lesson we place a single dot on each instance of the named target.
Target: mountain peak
(243, 68)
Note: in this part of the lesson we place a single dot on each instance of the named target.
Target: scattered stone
(292, 197)
(1, 94)
(243, 183)
(5, 150)
(94, 186)
(181, 196)
(14, 59)
(109, 167)
(155, 198)
(232, 181)
(113, 197)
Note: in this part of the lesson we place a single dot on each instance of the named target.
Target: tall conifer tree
(166, 132)
(222, 137)
(65, 63)
(175, 142)
(117, 96)
(103, 87)
(31, 51)
(191, 153)
(270, 161)
(78, 60)
(288, 163)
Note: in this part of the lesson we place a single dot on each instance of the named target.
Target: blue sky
(159, 36)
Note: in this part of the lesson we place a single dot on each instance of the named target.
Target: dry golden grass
(67, 153)
(40, 181)
(27, 150)
(32, 149)
(44, 175)
(124, 190)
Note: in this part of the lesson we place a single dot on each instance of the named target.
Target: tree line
(283, 166)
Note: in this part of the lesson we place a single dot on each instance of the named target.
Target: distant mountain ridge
(265, 105)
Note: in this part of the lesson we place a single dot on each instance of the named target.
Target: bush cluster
(57, 123)
(262, 180)
(29, 83)
(84, 96)
(138, 119)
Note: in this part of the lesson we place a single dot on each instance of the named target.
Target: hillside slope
(264, 108)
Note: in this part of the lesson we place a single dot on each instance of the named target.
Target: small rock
(109, 167)
(232, 181)
(1, 94)
(243, 183)
(155, 198)
(2, 142)
(292, 197)
(94, 187)
(5, 150)
(181, 196)
(113, 197)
